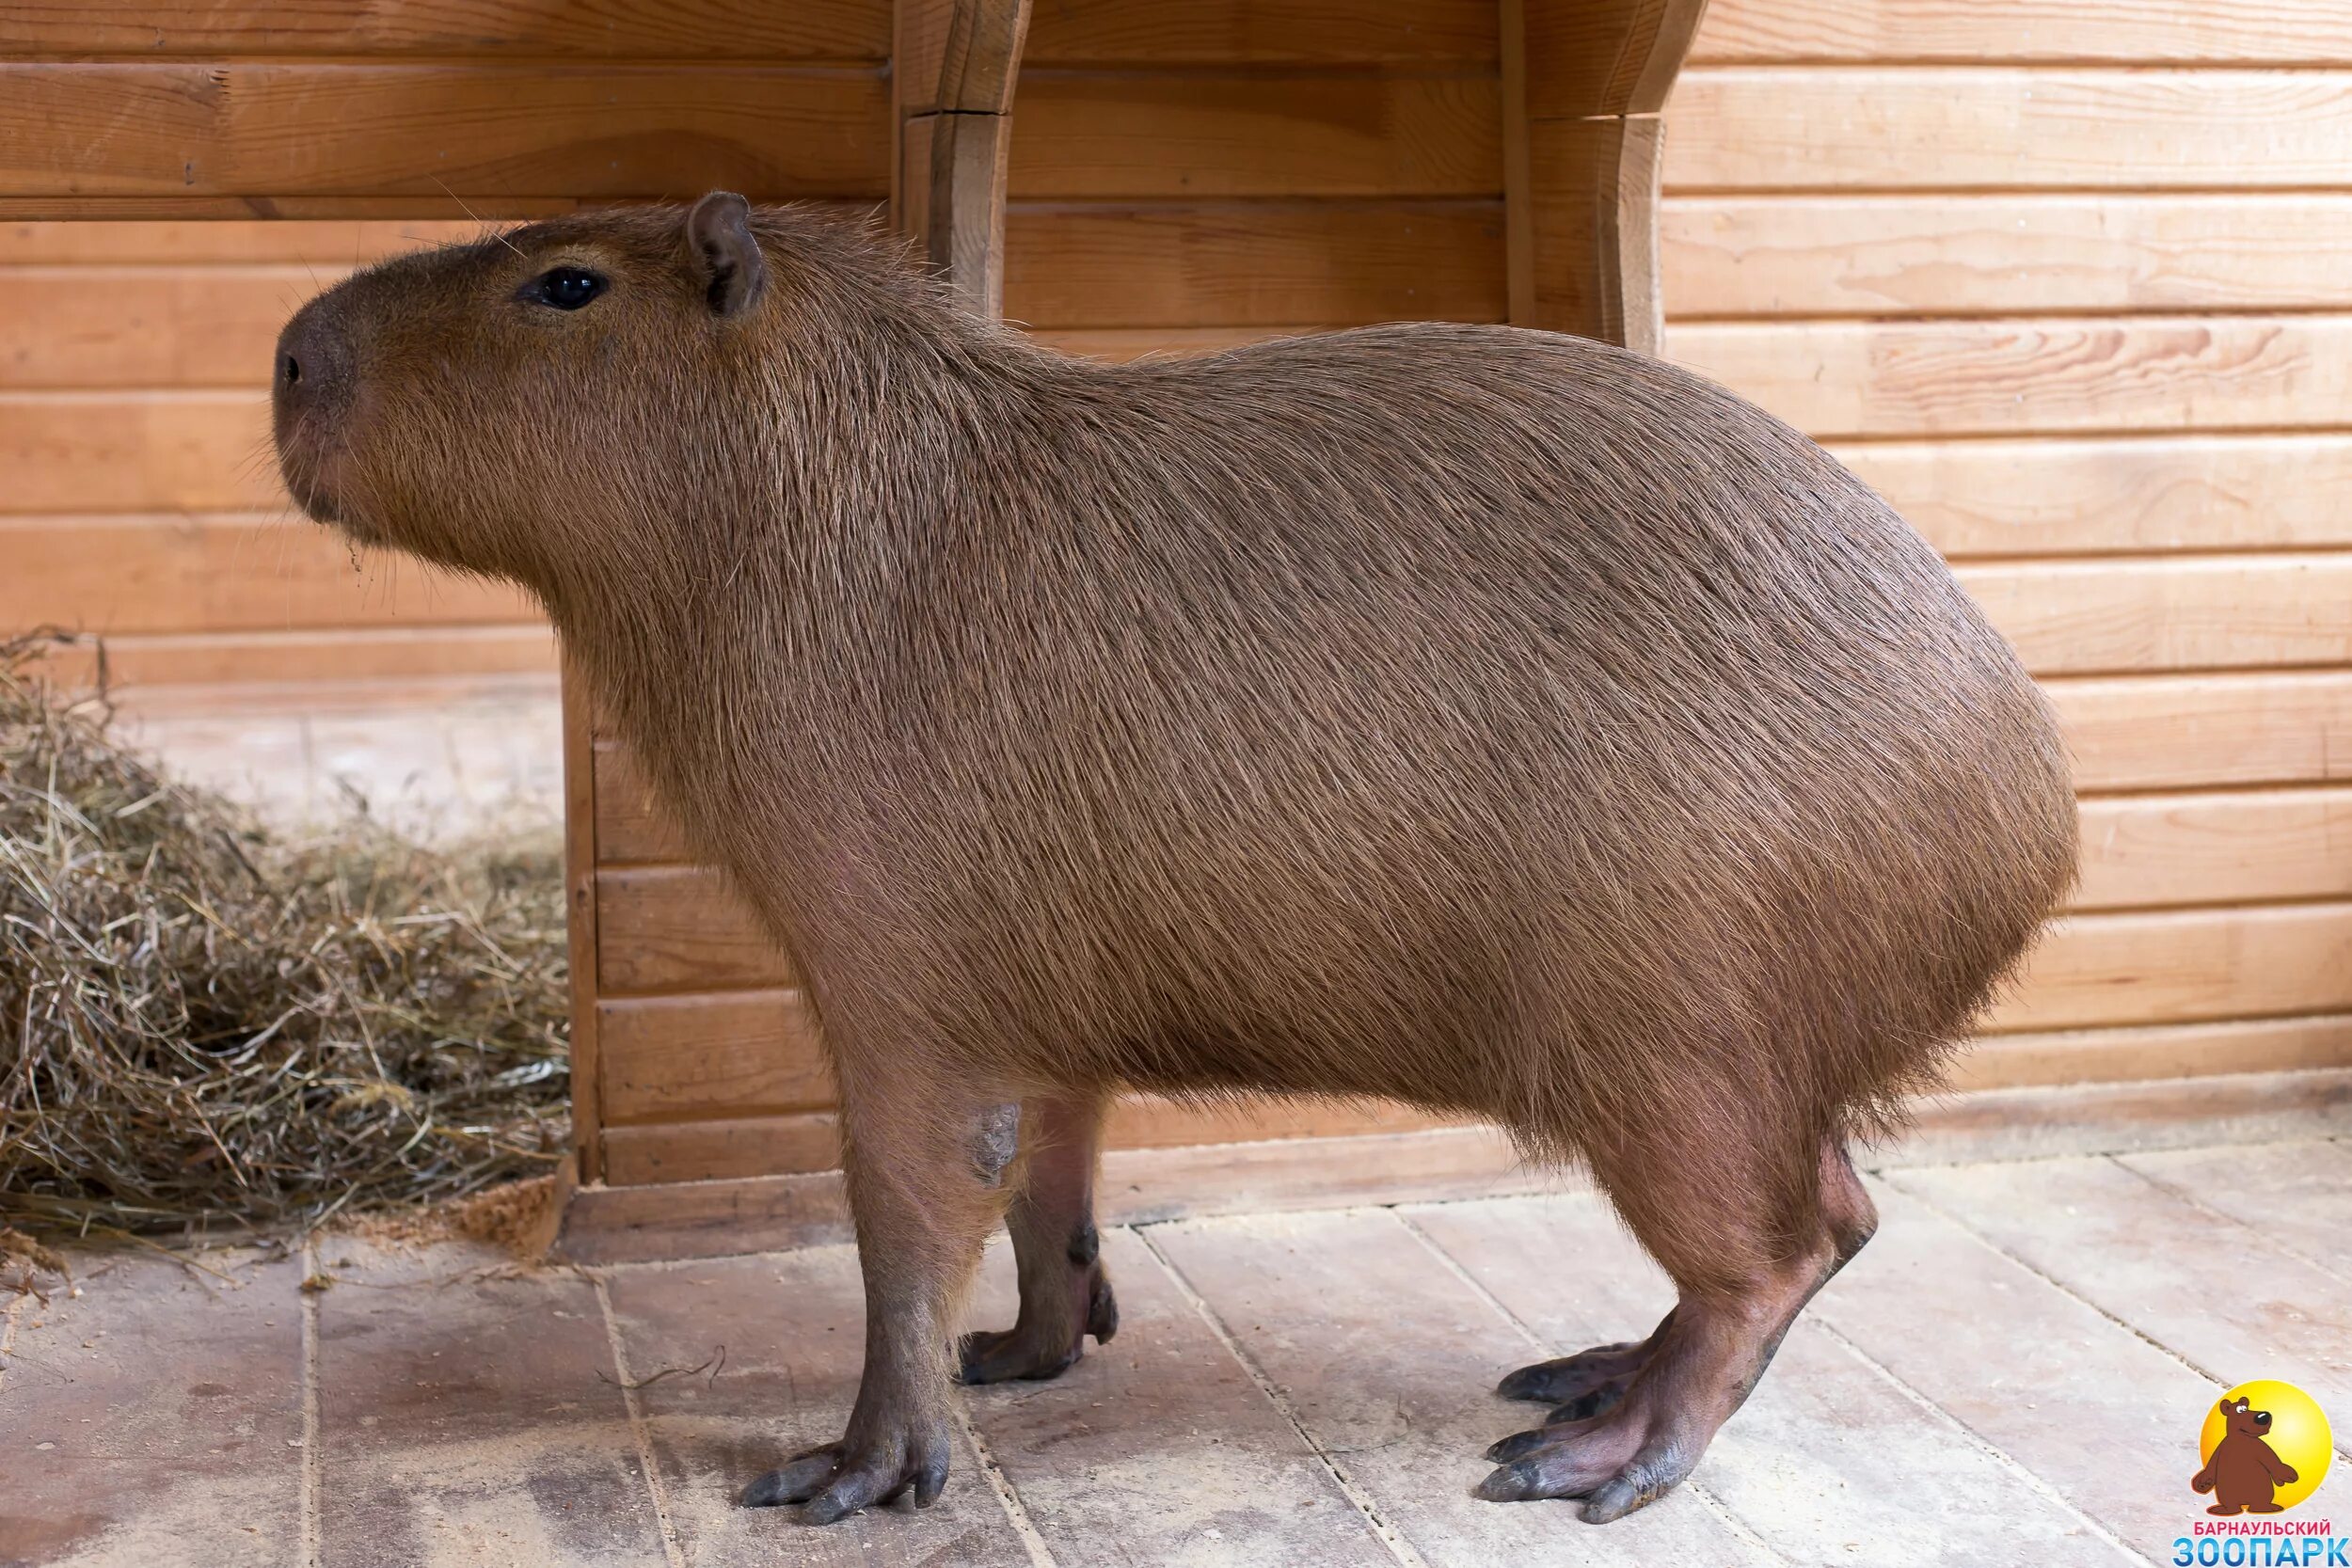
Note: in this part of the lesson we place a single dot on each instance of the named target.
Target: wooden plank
(586, 1056)
(1423, 34)
(793, 1328)
(1827, 1447)
(1159, 1448)
(142, 327)
(429, 130)
(2297, 1194)
(2042, 375)
(2193, 732)
(421, 1376)
(1168, 265)
(2004, 254)
(1390, 1362)
(510, 29)
(2094, 1411)
(351, 653)
(630, 824)
(956, 57)
(2079, 618)
(2160, 1052)
(222, 572)
(1740, 128)
(2116, 1239)
(2280, 32)
(1593, 191)
(2180, 968)
(2146, 851)
(733, 1053)
(195, 452)
(1198, 136)
(679, 928)
(156, 1404)
(721, 1148)
(251, 242)
(2115, 494)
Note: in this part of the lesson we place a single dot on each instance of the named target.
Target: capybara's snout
(311, 394)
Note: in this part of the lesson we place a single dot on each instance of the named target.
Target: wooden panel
(586, 1081)
(2201, 732)
(425, 131)
(630, 825)
(1750, 129)
(2175, 1050)
(1266, 263)
(1604, 57)
(723, 1150)
(2111, 968)
(2280, 32)
(241, 572)
(670, 929)
(201, 452)
(294, 241)
(1591, 241)
(348, 654)
(2000, 255)
(2193, 613)
(119, 327)
(740, 1052)
(1918, 378)
(2150, 850)
(1100, 134)
(2080, 497)
(1419, 33)
(612, 29)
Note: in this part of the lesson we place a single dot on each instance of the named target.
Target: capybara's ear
(719, 232)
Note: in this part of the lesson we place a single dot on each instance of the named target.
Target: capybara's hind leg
(1065, 1291)
(1746, 1249)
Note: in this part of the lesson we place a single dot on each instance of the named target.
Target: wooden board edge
(579, 902)
(2115, 1119)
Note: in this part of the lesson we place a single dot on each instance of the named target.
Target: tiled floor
(2015, 1372)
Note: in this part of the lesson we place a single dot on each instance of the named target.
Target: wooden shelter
(2012, 261)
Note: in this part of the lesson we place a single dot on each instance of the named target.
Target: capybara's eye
(565, 287)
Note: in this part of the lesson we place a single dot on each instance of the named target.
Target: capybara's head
(553, 397)
(2244, 1420)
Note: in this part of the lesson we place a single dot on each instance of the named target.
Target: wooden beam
(580, 888)
(954, 63)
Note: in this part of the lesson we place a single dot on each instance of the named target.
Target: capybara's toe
(1571, 1377)
(1008, 1355)
(797, 1481)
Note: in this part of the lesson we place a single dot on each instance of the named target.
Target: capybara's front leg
(1065, 1291)
(924, 1161)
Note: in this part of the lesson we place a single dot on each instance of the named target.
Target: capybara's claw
(1004, 1355)
(833, 1482)
(1610, 1462)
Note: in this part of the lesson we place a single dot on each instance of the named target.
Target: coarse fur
(1480, 718)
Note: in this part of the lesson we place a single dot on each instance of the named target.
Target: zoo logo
(2265, 1448)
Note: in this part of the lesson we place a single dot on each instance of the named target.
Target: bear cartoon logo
(2242, 1473)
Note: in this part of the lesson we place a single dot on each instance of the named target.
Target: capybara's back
(1474, 717)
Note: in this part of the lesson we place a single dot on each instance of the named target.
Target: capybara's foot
(1036, 1347)
(2224, 1511)
(837, 1479)
(1616, 1461)
(1586, 1384)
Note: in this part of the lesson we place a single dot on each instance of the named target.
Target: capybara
(2243, 1475)
(1480, 718)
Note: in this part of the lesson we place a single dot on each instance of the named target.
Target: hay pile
(201, 1024)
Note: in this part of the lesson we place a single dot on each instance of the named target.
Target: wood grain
(674, 928)
(1255, 264)
(1423, 34)
(1740, 129)
(586, 1058)
(731, 1053)
(401, 654)
(2187, 613)
(2094, 970)
(1591, 57)
(293, 242)
(2139, 494)
(222, 572)
(1085, 134)
(2004, 254)
(630, 825)
(722, 1148)
(736, 30)
(119, 327)
(2183, 1051)
(2148, 851)
(197, 451)
(2277, 32)
(2201, 732)
(428, 131)
(2054, 375)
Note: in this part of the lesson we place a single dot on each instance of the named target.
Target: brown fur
(1485, 718)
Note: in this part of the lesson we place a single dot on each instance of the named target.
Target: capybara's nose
(312, 377)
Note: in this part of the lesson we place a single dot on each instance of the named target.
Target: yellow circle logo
(2265, 1448)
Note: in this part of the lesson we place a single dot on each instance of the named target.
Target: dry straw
(202, 1025)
